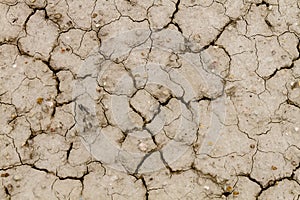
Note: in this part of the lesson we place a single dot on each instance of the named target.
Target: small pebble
(57, 16)
(206, 187)
(295, 84)
(17, 177)
(72, 134)
(94, 15)
(229, 189)
(39, 100)
(143, 146)
(292, 83)
(235, 193)
(50, 103)
(5, 175)
(274, 167)
(173, 57)
(294, 163)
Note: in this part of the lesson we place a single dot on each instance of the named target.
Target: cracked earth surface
(148, 76)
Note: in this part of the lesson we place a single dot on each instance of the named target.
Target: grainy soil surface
(149, 99)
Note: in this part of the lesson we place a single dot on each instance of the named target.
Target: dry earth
(150, 99)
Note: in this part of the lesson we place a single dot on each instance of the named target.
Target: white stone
(143, 146)
(17, 177)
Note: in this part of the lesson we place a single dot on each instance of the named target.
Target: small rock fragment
(229, 189)
(206, 187)
(295, 84)
(57, 16)
(50, 104)
(274, 167)
(5, 175)
(39, 100)
(143, 147)
(17, 177)
(294, 163)
(94, 15)
(173, 57)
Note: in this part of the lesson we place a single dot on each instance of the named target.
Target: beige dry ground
(149, 99)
